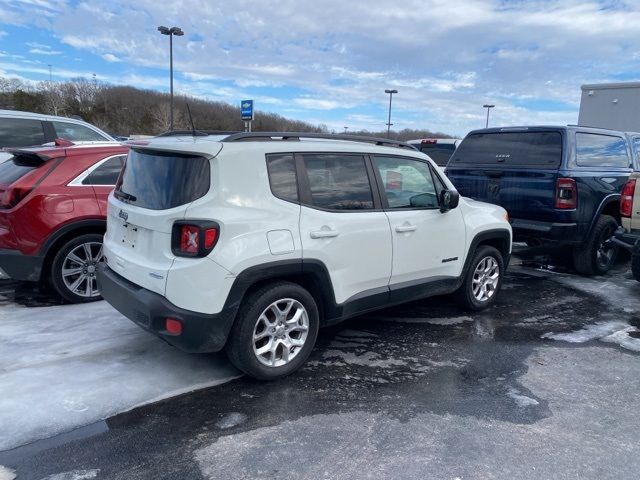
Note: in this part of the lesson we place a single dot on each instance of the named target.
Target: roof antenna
(193, 127)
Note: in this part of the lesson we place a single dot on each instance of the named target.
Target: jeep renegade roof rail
(198, 133)
(296, 136)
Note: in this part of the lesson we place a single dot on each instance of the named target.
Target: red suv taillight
(566, 194)
(626, 200)
(194, 238)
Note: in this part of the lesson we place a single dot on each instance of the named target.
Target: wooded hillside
(123, 110)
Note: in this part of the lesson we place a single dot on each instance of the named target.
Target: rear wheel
(596, 256)
(483, 280)
(274, 332)
(73, 271)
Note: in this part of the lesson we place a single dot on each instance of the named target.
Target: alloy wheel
(280, 332)
(485, 279)
(79, 269)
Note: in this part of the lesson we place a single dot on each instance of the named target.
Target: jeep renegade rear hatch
(160, 180)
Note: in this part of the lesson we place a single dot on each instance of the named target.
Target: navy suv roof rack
(296, 136)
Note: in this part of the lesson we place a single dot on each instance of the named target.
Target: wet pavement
(543, 385)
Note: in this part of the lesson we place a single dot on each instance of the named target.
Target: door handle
(405, 228)
(324, 233)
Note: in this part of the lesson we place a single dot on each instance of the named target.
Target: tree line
(125, 110)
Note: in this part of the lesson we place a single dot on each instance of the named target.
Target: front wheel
(274, 332)
(73, 271)
(483, 279)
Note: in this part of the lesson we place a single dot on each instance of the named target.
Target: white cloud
(42, 51)
(110, 57)
(445, 58)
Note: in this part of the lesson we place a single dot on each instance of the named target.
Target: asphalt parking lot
(543, 385)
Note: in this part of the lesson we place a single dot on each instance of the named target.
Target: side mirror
(449, 200)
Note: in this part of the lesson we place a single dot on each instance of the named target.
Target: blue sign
(246, 110)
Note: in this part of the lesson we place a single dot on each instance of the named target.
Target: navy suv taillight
(626, 199)
(194, 238)
(566, 194)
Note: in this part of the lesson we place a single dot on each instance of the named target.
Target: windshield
(162, 180)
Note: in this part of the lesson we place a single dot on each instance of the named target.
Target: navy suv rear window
(162, 180)
(510, 149)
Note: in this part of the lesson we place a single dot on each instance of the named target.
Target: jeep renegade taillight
(194, 238)
(626, 200)
(566, 194)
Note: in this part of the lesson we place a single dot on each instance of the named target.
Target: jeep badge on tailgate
(123, 215)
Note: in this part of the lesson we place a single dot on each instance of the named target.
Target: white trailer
(615, 106)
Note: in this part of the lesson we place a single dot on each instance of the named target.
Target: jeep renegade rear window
(282, 176)
(162, 180)
(510, 149)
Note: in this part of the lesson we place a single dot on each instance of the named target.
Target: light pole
(488, 107)
(390, 92)
(50, 75)
(177, 31)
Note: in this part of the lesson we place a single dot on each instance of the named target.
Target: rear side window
(512, 149)
(282, 176)
(107, 173)
(439, 153)
(75, 132)
(594, 150)
(338, 181)
(162, 180)
(20, 132)
(14, 169)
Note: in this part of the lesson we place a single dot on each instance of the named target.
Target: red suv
(53, 203)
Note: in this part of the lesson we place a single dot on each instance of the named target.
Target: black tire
(240, 346)
(635, 265)
(592, 257)
(465, 294)
(87, 268)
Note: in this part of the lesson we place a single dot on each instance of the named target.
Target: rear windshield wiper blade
(125, 196)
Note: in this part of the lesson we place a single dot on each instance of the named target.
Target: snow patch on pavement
(62, 367)
(74, 475)
(432, 321)
(591, 332)
(7, 473)
(520, 399)
(230, 420)
(610, 332)
(622, 338)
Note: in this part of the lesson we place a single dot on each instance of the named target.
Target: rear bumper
(200, 332)
(17, 266)
(555, 232)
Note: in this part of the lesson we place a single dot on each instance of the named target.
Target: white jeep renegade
(252, 241)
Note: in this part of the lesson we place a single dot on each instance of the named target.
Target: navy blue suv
(560, 185)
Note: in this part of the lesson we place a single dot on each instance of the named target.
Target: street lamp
(390, 92)
(177, 31)
(488, 107)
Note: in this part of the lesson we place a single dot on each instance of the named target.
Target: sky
(330, 61)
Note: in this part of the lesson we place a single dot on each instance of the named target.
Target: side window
(282, 176)
(338, 181)
(20, 132)
(594, 150)
(75, 132)
(636, 148)
(107, 173)
(407, 183)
